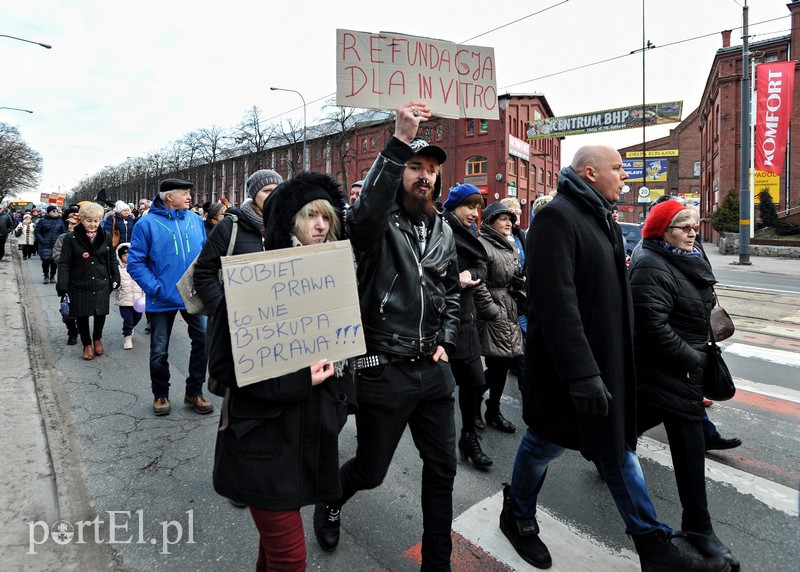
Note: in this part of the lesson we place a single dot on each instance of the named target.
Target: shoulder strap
(234, 231)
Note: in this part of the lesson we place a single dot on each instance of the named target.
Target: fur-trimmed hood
(292, 195)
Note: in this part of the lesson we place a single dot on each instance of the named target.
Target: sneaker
(200, 403)
(46, 280)
(127, 343)
(523, 535)
(327, 526)
(161, 406)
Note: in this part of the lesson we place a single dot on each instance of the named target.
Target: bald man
(579, 384)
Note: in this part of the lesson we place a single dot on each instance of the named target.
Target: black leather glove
(590, 396)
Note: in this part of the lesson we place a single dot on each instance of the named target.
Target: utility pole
(744, 194)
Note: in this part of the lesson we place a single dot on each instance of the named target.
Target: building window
(470, 127)
(364, 144)
(523, 170)
(511, 166)
(477, 166)
(364, 173)
(372, 143)
(439, 132)
(428, 134)
(484, 126)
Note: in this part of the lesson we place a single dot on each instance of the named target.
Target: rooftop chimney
(726, 38)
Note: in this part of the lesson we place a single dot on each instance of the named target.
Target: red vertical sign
(775, 90)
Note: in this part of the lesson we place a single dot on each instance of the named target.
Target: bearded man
(409, 292)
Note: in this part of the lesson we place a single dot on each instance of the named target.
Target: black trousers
(471, 385)
(88, 337)
(687, 447)
(419, 395)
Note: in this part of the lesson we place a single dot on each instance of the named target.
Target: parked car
(632, 233)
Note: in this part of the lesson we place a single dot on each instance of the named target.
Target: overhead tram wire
(611, 59)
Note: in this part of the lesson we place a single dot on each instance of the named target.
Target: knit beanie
(459, 194)
(120, 206)
(659, 217)
(51, 208)
(261, 179)
(213, 209)
(494, 210)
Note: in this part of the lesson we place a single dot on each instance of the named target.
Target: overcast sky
(126, 78)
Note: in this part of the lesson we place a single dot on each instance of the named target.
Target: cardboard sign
(386, 70)
(290, 308)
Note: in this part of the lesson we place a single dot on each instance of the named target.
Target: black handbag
(717, 379)
(64, 307)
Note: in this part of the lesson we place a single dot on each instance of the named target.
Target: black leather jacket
(409, 301)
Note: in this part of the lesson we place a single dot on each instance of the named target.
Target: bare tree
(253, 135)
(212, 146)
(20, 166)
(293, 136)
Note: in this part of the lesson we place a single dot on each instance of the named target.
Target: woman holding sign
(277, 445)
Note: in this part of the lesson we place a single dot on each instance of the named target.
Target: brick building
(493, 155)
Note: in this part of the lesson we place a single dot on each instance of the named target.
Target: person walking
(71, 219)
(409, 294)
(277, 445)
(88, 272)
(119, 223)
(579, 390)
(25, 233)
(500, 332)
(126, 297)
(672, 289)
(461, 210)
(47, 231)
(164, 244)
(6, 227)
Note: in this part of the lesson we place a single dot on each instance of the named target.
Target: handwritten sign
(290, 308)
(385, 70)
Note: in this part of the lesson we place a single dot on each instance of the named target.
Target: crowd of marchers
(454, 296)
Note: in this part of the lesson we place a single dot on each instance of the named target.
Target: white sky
(125, 78)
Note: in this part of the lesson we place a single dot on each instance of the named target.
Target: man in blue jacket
(163, 246)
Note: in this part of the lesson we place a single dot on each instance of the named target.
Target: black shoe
(470, 447)
(709, 545)
(72, 340)
(327, 525)
(659, 553)
(524, 535)
(46, 280)
(147, 329)
(237, 503)
(718, 443)
(496, 420)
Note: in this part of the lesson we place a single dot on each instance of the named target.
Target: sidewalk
(767, 264)
(28, 488)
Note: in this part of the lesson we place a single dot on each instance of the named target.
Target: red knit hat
(659, 217)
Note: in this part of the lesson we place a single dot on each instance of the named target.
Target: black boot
(496, 419)
(709, 545)
(523, 535)
(470, 447)
(327, 525)
(658, 553)
(719, 443)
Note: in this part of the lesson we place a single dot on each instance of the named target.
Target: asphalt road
(155, 472)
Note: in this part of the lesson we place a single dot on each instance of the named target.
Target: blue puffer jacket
(47, 230)
(163, 245)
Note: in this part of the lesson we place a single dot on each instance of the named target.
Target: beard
(418, 206)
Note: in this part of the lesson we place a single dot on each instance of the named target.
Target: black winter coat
(47, 231)
(88, 271)
(471, 256)
(672, 300)
(277, 447)
(580, 321)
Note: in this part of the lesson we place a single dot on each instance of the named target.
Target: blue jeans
(160, 332)
(130, 319)
(623, 476)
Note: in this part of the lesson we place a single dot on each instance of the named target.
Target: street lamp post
(48, 46)
(17, 109)
(305, 145)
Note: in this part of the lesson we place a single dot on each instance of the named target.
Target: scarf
(675, 250)
(91, 235)
(248, 210)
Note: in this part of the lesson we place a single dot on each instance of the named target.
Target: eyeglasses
(686, 228)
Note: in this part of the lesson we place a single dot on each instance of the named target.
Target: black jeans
(49, 268)
(418, 394)
(83, 329)
(471, 385)
(687, 447)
